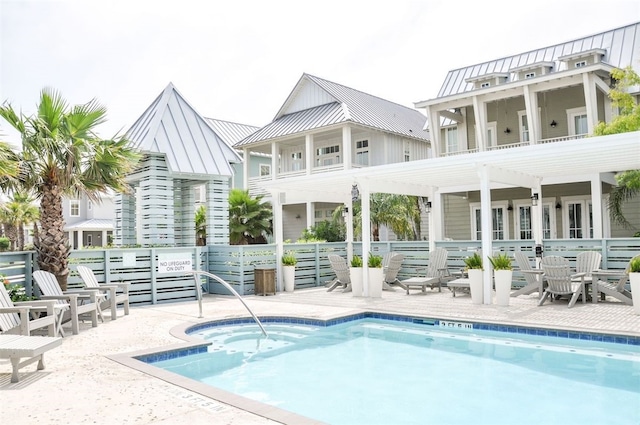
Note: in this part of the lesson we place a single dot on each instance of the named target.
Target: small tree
(249, 218)
(628, 120)
(201, 226)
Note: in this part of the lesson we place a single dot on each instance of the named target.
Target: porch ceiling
(514, 167)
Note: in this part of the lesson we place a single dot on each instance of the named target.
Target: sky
(238, 60)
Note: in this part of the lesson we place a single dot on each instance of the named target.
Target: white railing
(518, 144)
(562, 139)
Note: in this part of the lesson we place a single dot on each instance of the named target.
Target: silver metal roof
(349, 105)
(172, 127)
(231, 132)
(621, 47)
(95, 224)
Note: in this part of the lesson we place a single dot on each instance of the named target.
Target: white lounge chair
(434, 273)
(532, 277)
(341, 269)
(616, 289)
(24, 317)
(116, 293)
(16, 347)
(561, 282)
(78, 302)
(391, 264)
(587, 262)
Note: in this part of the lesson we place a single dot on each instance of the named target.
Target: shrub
(289, 259)
(356, 261)
(473, 262)
(374, 261)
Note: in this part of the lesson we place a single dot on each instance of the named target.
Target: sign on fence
(173, 262)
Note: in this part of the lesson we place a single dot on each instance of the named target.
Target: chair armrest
(20, 310)
(124, 287)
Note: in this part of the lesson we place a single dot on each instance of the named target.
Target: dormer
(488, 80)
(531, 70)
(585, 58)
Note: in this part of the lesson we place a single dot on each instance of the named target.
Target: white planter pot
(634, 278)
(376, 275)
(356, 281)
(503, 286)
(289, 275)
(475, 285)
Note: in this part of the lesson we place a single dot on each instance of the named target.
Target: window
(485, 85)
(89, 240)
(362, 152)
(318, 214)
(74, 208)
(199, 193)
(581, 64)
(328, 155)
(577, 119)
(524, 126)
(89, 205)
(524, 221)
(407, 151)
(296, 161)
(265, 170)
(575, 220)
(529, 75)
(491, 134)
(451, 139)
(498, 222)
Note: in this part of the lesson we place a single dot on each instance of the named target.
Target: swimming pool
(373, 371)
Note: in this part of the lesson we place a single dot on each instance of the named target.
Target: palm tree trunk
(52, 246)
(21, 236)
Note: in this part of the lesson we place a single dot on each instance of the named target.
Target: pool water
(373, 371)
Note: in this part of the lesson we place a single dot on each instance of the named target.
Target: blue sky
(238, 61)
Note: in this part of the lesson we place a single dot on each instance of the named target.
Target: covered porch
(593, 160)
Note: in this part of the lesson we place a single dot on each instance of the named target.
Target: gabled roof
(172, 127)
(622, 47)
(94, 224)
(231, 132)
(331, 104)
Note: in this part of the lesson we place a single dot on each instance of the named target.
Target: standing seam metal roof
(350, 106)
(172, 127)
(622, 46)
(231, 132)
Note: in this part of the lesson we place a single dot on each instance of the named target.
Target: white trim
(74, 203)
(475, 206)
(571, 114)
(265, 166)
(586, 225)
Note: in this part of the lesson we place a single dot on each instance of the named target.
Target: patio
(81, 384)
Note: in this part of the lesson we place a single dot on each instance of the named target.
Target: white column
(435, 219)
(246, 159)
(275, 171)
(349, 225)
(487, 232)
(533, 120)
(347, 148)
(366, 234)
(279, 236)
(591, 101)
(309, 153)
(480, 110)
(105, 242)
(80, 239)
(434, 130)
(311, 218)
(596, 206)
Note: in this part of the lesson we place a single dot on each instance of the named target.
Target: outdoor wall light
(355, 193)
(427, 207)
(507, 130)
(345, 211)
(558, 205)
(534, 199)
(298, 217)
(553, 124)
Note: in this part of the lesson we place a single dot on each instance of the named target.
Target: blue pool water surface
(373, 371)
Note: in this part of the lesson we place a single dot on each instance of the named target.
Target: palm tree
(62, 155)
(201, 226)
(8, 163)
(249, 218)
(20, 211)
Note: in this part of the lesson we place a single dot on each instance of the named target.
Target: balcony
(517, 145)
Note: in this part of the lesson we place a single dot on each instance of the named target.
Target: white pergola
(592, 159)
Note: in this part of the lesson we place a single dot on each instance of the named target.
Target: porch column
(487, 232)
(311, 218)
(366, 234)
(347, 148)
(277, 199)
(246, 159)
(309, 154)
(274, 161)
(480, 109)
(349, 224)
(536, 218)
(105, 241)
(533, 120)
(434, 130)
(596, 206)
(591, 101)
(435, 219)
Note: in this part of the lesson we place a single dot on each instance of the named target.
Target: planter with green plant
(634, 280)
(376, 275)
(355, 273)
(289, 262)
(503, 275)
(475, 271)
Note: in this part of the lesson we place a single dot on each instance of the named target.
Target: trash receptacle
(264, 280)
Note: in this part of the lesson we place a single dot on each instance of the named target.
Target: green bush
(289, 259)
(356, 261)
(5, 243)
(374, 261)
(473, 262)
(501, 262)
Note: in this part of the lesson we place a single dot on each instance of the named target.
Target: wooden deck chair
(115, 293)
(617, 289)
(587, 262)
(391, 264)
(74, 300)
(554, 260)
(533, 282)
(24, 317)
(433, 275)
(561, 282)
(341, 269)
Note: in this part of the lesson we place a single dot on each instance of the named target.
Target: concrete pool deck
(82, 384)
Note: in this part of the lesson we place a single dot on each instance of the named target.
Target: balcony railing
(518, 144)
